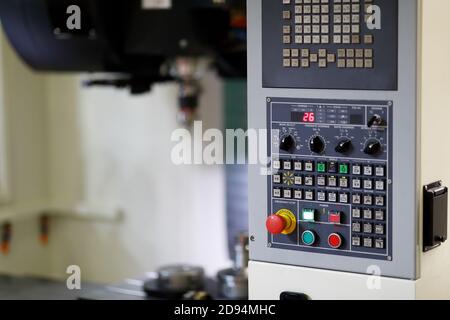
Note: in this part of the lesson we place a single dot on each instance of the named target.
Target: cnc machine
(354, 95)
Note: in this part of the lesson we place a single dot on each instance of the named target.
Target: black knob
(373, 147)
(317, 145)
(344, 146)
(287, 143)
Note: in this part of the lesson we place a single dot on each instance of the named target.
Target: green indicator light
(321, 167)
(309, 215)
(308, 238)
(343, 169)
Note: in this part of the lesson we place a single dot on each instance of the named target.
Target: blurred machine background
(86, 176)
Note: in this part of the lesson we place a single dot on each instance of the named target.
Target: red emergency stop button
(283, 222)
(335, 241)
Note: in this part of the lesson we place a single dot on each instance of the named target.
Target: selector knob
(373, 147)
(287, 143)
(344, 146)
(317, 145)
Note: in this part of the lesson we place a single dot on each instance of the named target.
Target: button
(309, 181)
(379, 229)
(356, 241)
(309, 195)
(356, 199)
(356, 227)
(356, 184)
(308, 238)
(368, 185)
(334, 217)
(332, 197)
(335, 241)
(379, 215)
(356, 213)
(283, 222)
(277, 193)
(321, 181)
(343, 182)
(321, 167)
(287, 194)
(276, 165)
(309, 215)
(368, 242)
(298, 180)
(309, 166)
(356, 169)
(379, 243)
(287, 165)
(379, 185)
(298, 165)
(298, 194)
(343, 168)
(368, 170)
(367, 214)
(379, 201)
(321, 196)
(380, 171)
(368, 200)
(332, 167)
(368, 228)
(332, 181)
(343, 198)
(276, 178)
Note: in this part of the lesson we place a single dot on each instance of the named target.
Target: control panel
(330, 44)
(330, 186)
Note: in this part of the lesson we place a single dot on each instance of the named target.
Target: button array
(362, 186)
(323, 22)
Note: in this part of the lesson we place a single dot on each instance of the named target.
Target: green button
(309, 215)
(321, 167)
(343, 168)
(308, 238)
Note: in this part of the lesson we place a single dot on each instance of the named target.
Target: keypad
(311, 26)
(361, 186)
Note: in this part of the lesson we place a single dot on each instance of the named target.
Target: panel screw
(269, 245)
(268, 100)
(252, 238)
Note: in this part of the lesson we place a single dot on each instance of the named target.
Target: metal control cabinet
(345, 103)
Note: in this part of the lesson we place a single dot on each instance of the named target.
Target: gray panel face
(405, 213)
(322, 45)
(352, 186)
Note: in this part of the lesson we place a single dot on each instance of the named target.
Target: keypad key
(368, 170)
(332, 197)
(298, 194)
(356, 241)
(287, 194)
(379, 229)
(356, 183)
(298, 180)
(368, 214)
(277, 193)
(276, 178)
(368, 185)
(321, 196)
(321, 167)
(332, 167)
(332, 181)
(276, 165)
(343, 168)
(321, 181)
(368, 228)
(368, 200)
(287, 165)
(356, 169)
(343, 182)
(343, 198)
(379, 215)
(380, 171)
(379, 243)
(309, 166)
(356, 199)
(298, 165)
(356, 213)
(356, 227)
(379, 201)
(379, 185)
(309, 195)
(368, 242)
(309, 181)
